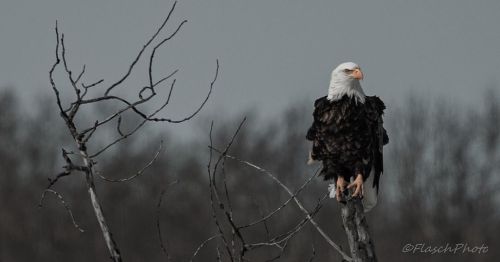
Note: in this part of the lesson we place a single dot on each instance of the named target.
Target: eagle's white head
(345, 81)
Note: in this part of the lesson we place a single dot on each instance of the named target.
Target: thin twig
(158, 227)
(202, 245)
(66, 206)
(213, 192)
(140, 172)
(269, 215)
(132, 65)
(199, 108)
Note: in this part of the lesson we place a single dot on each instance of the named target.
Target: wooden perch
(356, 228)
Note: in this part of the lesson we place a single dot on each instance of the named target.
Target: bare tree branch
(202, 245)
(132, 65)
(214, 195)
(158, 227)
(140, 172)
(66, 206)
(151, 58)
(199, 108)
(269, 215)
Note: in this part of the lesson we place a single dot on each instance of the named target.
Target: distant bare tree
(443, 172)
(83, 160)
(418, 194)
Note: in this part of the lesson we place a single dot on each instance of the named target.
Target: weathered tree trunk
(108, 237)
(356, 228)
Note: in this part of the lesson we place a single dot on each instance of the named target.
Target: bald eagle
(347, 133)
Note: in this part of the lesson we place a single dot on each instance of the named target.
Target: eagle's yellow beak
(357, 74)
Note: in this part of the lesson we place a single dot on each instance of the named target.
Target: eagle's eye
(347, 71)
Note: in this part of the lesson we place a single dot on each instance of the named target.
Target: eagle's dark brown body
(348, 137)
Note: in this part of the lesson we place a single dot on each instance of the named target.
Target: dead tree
(83, 159)
(356, 228)
(232, 243)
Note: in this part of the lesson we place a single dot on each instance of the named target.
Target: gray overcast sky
(272, 52)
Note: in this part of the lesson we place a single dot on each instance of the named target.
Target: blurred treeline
(441, 185)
